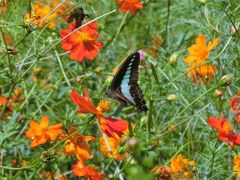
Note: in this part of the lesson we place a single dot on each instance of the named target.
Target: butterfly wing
(124, 85)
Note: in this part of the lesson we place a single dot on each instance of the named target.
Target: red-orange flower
(129, 5)
(235, 107)
(82, 43)
(41, 132)
(77, 144)
(111, 126)
(225, 131)
(89, 172)
(235, 104)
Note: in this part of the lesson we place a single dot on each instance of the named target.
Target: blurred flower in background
(129, 6)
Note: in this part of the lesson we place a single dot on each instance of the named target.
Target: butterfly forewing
(124, 85)
(128, 66)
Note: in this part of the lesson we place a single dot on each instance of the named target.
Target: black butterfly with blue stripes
(124, 86)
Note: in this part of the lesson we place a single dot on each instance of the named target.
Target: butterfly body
(124, 87)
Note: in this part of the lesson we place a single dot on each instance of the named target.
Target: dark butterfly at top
(124, 86)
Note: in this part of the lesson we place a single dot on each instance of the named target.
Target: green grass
(121, 35)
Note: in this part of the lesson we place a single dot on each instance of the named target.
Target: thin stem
(8, 56)
(167, 23)
(62, 69)
(189, 105)
(58, 6)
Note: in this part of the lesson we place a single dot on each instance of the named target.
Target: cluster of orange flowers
(180, 168)
(112, 129)
(198, 54)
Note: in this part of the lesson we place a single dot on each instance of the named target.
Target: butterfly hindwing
(124, 85)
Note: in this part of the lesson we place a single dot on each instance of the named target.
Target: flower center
(227, 128)
(103, 106)
(83, 36)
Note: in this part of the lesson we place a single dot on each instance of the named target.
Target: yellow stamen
(103, 106)
(227, 127)
(83, 36)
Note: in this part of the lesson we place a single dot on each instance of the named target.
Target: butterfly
(124, 86)
(79, 15)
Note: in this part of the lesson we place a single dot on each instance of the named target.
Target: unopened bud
(37, 71)
(173, 59)
(202, 1)
(233, 30)
(132, 143)
(78, 79)
(172, 97)
(218, 92)
(18, 92)
(226, 80)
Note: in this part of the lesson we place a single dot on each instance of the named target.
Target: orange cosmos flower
(114, 144)
(198, 53)
(43, 11)
(111, 126)
(181, 166)
(129, 5)
(236, 167)
(225, 131)
(41, 132)
(90, 172)
(8, 110)
(82, 43)
(201, 74)
(77, 144)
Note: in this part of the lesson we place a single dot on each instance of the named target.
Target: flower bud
(218, 92)
(173, 59)
(37, 71)
(18, 92)
(78, 78)
(132, 143)
(233, 30)
(172, 97)
(226, 80)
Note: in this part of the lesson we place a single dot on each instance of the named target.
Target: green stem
(167, 23)
(189, 105)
